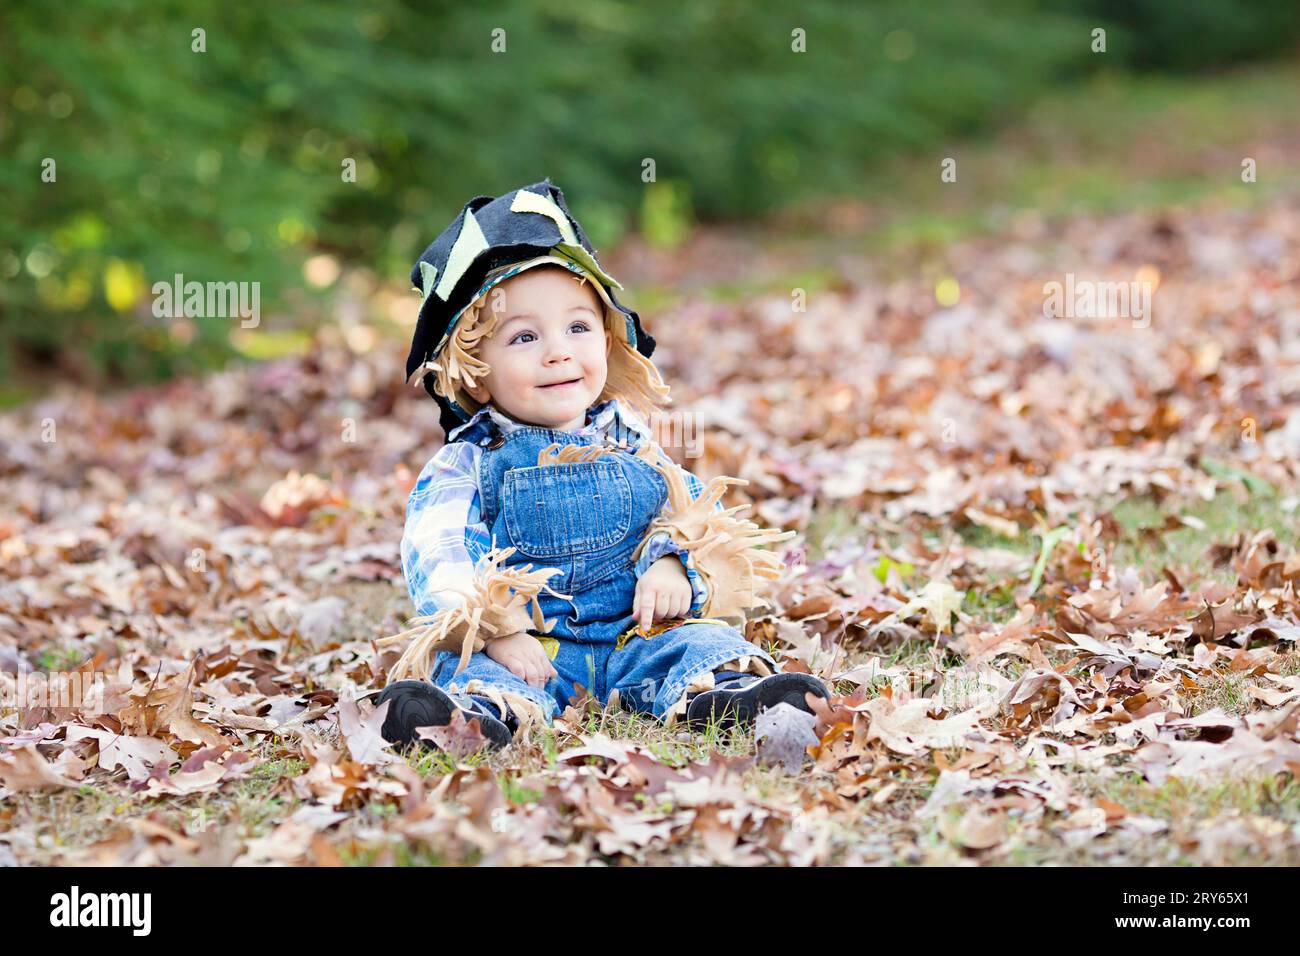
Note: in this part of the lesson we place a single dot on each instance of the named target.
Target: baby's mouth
(561, 385)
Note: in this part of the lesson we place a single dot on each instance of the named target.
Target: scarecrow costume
(514, 527)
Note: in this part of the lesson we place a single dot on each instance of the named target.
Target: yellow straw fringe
(458, 367)
(527, 712)
(557, 454)
(634, 379)
(496, 606)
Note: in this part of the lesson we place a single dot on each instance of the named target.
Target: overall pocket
(557, 511)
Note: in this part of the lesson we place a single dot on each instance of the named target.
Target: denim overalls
(586, 519)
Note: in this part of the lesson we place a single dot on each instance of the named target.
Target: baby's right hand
(525, 657)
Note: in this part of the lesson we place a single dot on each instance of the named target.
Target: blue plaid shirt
(445, 534)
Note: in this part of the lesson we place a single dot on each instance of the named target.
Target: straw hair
(631, 378)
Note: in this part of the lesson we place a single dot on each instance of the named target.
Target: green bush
(1193, 35)
(226, 165)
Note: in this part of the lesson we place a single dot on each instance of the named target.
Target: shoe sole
(743, 706)
(415, 703)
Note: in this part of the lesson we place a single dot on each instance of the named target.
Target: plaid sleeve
(661, 544)
(444, 535)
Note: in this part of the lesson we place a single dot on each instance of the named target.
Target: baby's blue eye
(519, 338)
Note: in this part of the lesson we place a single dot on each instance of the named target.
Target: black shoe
(739, 700)
(417, 703)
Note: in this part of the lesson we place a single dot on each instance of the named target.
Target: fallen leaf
(784, 733)
(23, 769)
(363, 733)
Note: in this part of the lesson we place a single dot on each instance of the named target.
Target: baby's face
(548, 352)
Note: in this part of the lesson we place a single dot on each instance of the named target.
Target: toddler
(550, 544)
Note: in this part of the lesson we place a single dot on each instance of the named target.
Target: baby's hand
(524, 655)
(663, 592)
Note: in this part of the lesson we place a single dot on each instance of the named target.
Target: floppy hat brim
(497, 276)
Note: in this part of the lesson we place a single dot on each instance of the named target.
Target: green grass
(268, 776)
(11, 396)
(1222, 689)
(811, 279)
(1230, 512)
(515, 793)
(262, 345)
(1188, 548)
(827, 527)
(75, 818)
(674, 746)
(1186, 805)
(400, 854)
(992, 604)
(1275, 796)
(1101, 147)
(978, 536)
(438, 763)
(59, 658)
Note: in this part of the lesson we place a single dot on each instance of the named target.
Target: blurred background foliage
(227, 164)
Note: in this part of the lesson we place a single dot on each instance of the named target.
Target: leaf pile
(1020, 671)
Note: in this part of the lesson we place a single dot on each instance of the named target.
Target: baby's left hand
(663, 592)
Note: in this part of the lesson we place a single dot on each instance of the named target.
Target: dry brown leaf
(23, 769)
